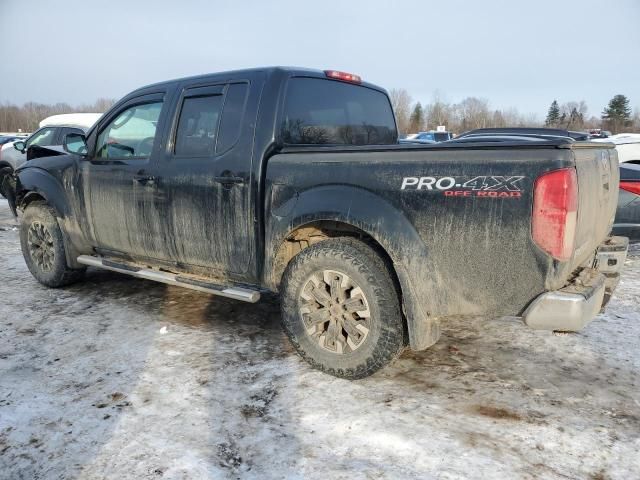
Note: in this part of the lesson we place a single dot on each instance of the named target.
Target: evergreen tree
(416, 120)
(553, 116)
(618, 113)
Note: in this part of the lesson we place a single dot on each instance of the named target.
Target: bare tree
(473, 112)
(438, 112)
(635, 120)
(401, 103)
(28, 117)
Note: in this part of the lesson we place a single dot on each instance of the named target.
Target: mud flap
(424, 333)
(423, 329)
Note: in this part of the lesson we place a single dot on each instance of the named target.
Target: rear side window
(319, 111)
(234, 106)
(198, 126)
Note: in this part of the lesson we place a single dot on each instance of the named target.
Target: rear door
(206, 178)
(119, 190)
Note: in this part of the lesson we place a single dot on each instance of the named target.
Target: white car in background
(52, 131)
(627, 146)
(432, 136)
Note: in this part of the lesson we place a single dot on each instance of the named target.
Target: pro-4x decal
(490, 186)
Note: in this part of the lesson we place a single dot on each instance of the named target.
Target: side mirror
(20, 146)
(75, 143)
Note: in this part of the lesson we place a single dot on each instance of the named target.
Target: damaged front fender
(32, 181)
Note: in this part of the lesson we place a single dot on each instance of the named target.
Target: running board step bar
(237, 293)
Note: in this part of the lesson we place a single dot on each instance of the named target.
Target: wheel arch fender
(5, 164)
(37, 184)
(378, 219)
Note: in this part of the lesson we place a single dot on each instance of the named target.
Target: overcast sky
(509, 53)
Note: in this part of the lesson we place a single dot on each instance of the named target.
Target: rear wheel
(340, 308)
(43, 247)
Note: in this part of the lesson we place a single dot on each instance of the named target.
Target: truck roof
(296, 71)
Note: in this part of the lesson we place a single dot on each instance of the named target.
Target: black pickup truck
(293, 181)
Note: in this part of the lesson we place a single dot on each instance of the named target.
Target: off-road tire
(40, 215)
(385, 339)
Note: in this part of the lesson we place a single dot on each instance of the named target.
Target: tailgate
(598, 178)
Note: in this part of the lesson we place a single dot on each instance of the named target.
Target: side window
(43, 138)
(131, 134)
(198, 126)
(67, 130)
(234, 106)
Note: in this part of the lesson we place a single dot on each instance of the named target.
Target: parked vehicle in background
(51, 132)
(8, 138)
(551, 132)
(431, 135)
(292, 180)
(599, 133)
(627, 221)
(415, 141)
(627, 146)
(83, 120)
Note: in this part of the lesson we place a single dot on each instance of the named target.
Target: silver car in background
(51, 132)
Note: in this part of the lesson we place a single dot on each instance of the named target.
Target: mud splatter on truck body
(270, 170)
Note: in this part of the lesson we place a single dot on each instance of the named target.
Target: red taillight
(344, 76)
(555, 212)
(633, 187)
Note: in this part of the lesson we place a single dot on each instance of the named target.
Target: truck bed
(450, 240)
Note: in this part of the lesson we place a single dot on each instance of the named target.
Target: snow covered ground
(123, 378)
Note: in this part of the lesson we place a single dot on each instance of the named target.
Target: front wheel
(340, 308)
(43, 247)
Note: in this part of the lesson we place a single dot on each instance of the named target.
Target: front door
(120, 192)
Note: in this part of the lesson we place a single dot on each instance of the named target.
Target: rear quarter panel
(467, 254)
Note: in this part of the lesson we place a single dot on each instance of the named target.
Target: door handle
(229, 180)
(145, 180)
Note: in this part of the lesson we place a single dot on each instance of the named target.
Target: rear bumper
(574, 306)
